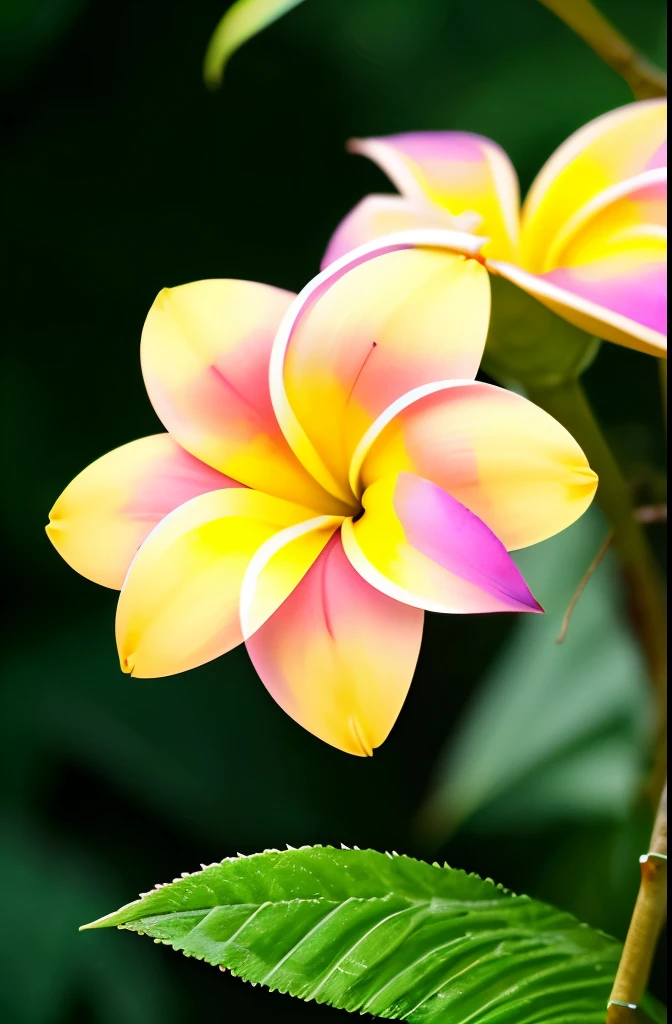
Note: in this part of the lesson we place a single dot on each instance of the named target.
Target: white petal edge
(262, 557)
(377, 427)
(594, 206)
(621, 329)
(387, 157)
(572, 147)
(378, 581)
(437, 238)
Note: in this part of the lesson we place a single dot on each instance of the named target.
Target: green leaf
(385, 935)
(556, 732)
(244, 19)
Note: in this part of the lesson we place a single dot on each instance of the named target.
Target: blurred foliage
(583, 17)
(241, 21)
(556, 731)
(29, 29)
(122, 174)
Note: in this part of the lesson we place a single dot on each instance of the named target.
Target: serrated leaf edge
(106, 922)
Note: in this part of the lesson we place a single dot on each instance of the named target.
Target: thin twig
(585, 579)
(643, 77)
(647, 922)
(645, 514)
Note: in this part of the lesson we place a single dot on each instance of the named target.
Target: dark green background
(121, 174)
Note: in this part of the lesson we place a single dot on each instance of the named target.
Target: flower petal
(377, 216)
(418, 544)
(617, 146)
(339, 656)
(505, 459)
(459, 172)
(205, 353)
(278, 566)
(629, 211)
(103, 516)
(617, 258)
(179, 605)
(603, 297)
(364, 331)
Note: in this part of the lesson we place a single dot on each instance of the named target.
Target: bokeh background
(120, 174)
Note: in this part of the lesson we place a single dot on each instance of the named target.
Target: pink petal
(377, 216)
(618, 299)
(370, 326)
(418, 544)
(338, 656)
(104, 515)
(205, 357)
(458, 172)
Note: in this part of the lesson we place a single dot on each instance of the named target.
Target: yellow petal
(457, 171)
(418, 544)
(106, 512)
(278, 566)
(502, 457)
(179, 606)
(632, 210)
(364, 331)
(617, 146)
(205, 353)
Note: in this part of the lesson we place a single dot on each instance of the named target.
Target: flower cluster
(591, 240)
(331, 469)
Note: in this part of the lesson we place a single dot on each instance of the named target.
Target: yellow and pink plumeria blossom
(331, 469)
(591, 240)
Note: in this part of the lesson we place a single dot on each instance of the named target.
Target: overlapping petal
(592, 245)
(366, 330)
(603, 298)
(339, 655)
(609, 150)
(630, 212)
(615, 256)
(458, 171)
(278, 566)
(377, 216)
(205, 355)
(179, 606)
(421, 546)
(501, 456)
(103, 516)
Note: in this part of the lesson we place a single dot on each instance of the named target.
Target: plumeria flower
(330, 470)
(590, 242)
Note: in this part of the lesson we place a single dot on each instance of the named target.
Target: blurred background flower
(590, 241)
(121, 174)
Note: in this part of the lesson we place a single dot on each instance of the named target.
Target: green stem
(646, 598)
(647, 923)
(662, 370)
(643, 77)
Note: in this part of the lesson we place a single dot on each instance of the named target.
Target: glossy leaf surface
(383, 934)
